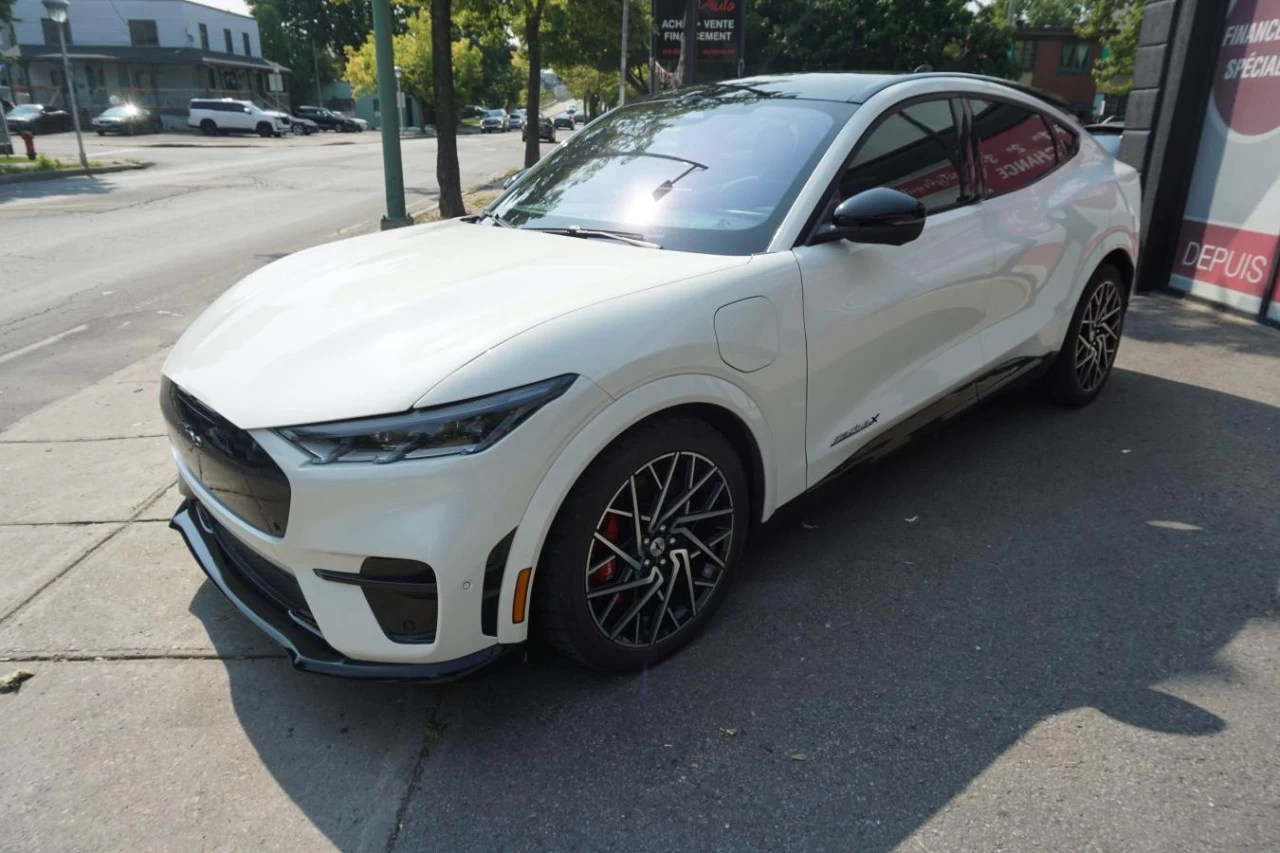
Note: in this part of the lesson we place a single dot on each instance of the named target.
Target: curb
(55, 174)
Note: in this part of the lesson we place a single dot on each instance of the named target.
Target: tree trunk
(447, 174)
(533, 100)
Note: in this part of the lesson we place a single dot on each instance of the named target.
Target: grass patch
(470, 122)
(474, 200)
(48, 164)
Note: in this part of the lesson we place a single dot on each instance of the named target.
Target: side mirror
(511, 180)
(880, 215)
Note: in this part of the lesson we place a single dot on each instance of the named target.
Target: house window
(51, 31)
(226, 38)
(143, 33)
(213, 78)
(248, 51)
(1075, 56)
(1024, 54)
(204, 37)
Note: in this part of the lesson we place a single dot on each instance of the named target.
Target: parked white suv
(224, 115)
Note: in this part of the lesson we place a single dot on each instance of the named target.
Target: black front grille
(265, 576)
(227, 461)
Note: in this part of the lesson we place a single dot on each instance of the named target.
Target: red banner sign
(1227, 257)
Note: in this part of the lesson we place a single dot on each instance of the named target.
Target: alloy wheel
(1099, 335)
(660, 549)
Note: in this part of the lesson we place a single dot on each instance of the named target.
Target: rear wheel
(1093, 338)
(643, 549)
(208, 127)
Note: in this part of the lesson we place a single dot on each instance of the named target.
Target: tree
(412, 50)
(532, 11)
(309, 36)
(1048, 13)
(584, 36)
(876, 35)
(1115, 23)
(448, 177)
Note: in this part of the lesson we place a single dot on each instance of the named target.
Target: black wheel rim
(660, 549)
(1099, 336)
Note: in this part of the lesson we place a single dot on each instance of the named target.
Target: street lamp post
(58, 14)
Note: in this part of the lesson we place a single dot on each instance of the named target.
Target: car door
(896, 330)
(1028, 210)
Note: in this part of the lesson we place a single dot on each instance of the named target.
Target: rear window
(1015, 144)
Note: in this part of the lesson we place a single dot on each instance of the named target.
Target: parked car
(303, 126)
(226, 115)
(37, 118)
(826, 267)
(326, 119)
(516, 119)
(564, 120)
(579, 117)
(126, 118)
(472, 111)
(495, 121)
(546, 129)
(360, 125)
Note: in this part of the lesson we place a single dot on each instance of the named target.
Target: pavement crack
(432, 729)
(133, 519)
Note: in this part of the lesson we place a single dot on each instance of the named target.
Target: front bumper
(306, 648)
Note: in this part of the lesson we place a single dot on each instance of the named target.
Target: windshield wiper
(636, 240)
(486, 214)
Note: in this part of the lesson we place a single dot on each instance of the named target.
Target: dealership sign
(1230, 233)
(719, 30)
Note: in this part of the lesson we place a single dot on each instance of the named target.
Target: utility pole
(1013, 18)
(392, 170)
(653, 35)
(622, 65)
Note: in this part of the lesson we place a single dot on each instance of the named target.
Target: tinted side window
(1068, 141)
(1014, 143)
(915, 150)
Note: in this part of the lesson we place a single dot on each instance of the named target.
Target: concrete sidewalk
(1072, 644)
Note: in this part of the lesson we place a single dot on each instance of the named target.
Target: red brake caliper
(610, 569)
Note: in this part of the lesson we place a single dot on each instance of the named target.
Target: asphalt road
(95, 273)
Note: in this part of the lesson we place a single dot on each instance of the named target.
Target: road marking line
(52, 339)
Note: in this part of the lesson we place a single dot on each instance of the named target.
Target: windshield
(709, 170)
(122, 112)
(25, 110)
(494, 114)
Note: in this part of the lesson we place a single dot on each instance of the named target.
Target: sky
(238, 6)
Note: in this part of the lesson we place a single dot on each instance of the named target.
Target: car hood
(367, 326)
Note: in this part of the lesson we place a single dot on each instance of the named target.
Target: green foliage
(876, 35)
(1048, 13)
(412, 51)
(308, 37)
(6, 12)
(1116, 24)
(586, 34)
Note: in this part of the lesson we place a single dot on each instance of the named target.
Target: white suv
(225, 115)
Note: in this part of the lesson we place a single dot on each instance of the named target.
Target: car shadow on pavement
(889, 637)
(80, 185)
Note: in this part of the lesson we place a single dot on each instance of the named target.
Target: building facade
(156, 53)
(1057, 61)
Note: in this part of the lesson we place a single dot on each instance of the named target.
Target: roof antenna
(923, 69)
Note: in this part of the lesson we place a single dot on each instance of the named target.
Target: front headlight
(466, 427)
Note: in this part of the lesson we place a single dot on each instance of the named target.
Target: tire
(102, 133)
(646, 627)
(265, 130)
(208, 127)
(1097, 326)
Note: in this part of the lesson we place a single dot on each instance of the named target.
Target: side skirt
(1008, 375)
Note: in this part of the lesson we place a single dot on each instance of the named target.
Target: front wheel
(208, 127)
(643, 549)
(1089, 351)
